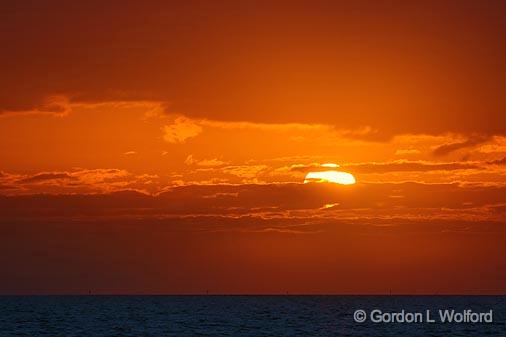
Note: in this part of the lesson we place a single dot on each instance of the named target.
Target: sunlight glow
(327, 206)
(329, 165)
(336, 177)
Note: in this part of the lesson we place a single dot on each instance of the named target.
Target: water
(237, 315)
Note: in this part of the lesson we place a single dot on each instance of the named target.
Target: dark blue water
(237, 315)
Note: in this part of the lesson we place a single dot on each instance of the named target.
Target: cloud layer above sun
(398, 69)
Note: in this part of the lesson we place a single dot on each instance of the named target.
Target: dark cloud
(446, 149)
(273, 199)
(387, 167)
(81, 181)
(42, 177)
(347, 64)
(406, 166)
(498, 161)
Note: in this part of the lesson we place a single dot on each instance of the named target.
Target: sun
(336, 177)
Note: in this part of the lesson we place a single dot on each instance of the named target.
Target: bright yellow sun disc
(336, 177)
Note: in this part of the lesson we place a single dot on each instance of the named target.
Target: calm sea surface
(239, 315)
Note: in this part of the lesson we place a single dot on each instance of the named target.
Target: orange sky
(150, 147)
